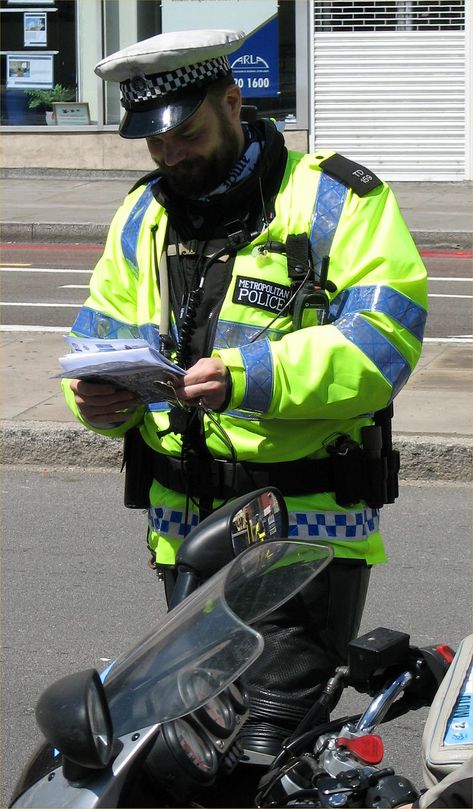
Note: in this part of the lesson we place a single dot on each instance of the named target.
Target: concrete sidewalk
(78, 207)
(432, 423)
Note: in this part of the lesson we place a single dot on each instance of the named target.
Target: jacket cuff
(231, 357)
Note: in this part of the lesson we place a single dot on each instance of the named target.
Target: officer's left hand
(205, 383)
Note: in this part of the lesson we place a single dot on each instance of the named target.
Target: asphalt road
(44, 285)
(76, 590)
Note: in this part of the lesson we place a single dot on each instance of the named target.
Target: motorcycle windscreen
(207, 641)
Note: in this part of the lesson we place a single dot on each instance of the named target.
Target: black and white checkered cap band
(145, 88)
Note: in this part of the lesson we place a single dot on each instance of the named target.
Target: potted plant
(43, 99)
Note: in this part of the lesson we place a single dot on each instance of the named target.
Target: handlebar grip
(390, 791)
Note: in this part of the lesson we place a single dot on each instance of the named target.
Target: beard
(197, 176)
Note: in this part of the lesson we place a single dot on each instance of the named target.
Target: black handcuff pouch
(138, 463)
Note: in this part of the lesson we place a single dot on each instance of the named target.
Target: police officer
(288, 287)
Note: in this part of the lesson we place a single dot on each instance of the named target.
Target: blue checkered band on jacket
(380, 299)
(170, 522)
(330, 525)
(141, 88)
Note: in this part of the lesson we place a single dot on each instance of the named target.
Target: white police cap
(164, 79)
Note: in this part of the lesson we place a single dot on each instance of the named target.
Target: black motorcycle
(161, 726)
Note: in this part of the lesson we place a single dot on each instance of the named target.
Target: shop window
(265, 70)
(49, 49)
(38, 59)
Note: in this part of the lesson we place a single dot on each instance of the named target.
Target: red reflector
(369, 749)
(446, 652)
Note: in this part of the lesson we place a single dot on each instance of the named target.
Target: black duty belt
(200, 477)
(350, 472)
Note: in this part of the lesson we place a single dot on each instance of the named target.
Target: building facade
(385, 82)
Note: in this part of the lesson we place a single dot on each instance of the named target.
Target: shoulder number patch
(360, 179)
(260, 294)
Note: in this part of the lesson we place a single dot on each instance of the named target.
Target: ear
(232, 102)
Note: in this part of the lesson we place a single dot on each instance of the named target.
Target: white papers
(130, 364)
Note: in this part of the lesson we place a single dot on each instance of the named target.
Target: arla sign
(255, 65)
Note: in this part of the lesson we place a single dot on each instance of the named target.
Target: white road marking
(459, 340)
(66, 329)
(24, 268)
(446, 278)
(441, 295)
(59, 329)
(44, 305)
(40, 269)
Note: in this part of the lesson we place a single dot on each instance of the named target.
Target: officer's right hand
(102, 403)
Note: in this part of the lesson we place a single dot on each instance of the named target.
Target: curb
(428, 457)
(92, 233)
(57, 444)
(453, 240)
(50, 232)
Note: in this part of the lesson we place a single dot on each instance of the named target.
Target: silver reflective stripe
(329, 202)
(388, 360)
(258, 363)
(383, 299)
(132, 226)
(345, 526)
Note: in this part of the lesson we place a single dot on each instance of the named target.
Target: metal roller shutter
(390, 85)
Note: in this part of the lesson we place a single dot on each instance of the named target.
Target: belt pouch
(347, 464)
(394, 464)
(138, 464)
(375, 493)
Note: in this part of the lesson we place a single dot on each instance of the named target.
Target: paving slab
(433, 413)
(432, 423)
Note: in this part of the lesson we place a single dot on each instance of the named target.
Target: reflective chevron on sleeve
(382, 299)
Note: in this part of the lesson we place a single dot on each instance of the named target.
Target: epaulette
(152, 175)
(360, 179)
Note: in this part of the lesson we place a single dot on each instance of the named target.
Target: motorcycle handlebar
(379, 706)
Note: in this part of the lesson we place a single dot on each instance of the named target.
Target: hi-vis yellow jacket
(293, 391)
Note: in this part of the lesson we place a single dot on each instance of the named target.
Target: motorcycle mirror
(258, 516)
(73, 715)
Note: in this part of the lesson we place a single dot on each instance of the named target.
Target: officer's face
(195, 157)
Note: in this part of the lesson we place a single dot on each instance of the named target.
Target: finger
(205, 390)
(86, 388)
(106, 396)
(114, 401)
(98, 419)
(104, 413)
(205, 370)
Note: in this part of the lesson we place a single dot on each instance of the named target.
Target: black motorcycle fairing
(44, 760)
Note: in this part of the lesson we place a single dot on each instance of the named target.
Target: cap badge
(138, 83)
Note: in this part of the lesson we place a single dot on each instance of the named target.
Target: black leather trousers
(305, 640)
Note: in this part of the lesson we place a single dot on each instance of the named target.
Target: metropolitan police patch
(260, 294)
